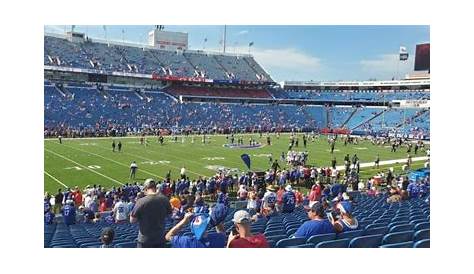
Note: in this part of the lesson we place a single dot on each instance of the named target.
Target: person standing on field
(133, 170)
(119, 146)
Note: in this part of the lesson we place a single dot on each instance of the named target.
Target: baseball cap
(199, 224)
(241, 216)
(149, 183)
(345, 207)
(218, 213)
(288, 188)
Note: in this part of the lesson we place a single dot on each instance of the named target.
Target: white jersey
(133, 166)
(120, 211)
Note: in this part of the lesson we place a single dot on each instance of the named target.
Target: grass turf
(81, 162)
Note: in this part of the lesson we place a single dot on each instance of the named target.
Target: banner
(246, 159)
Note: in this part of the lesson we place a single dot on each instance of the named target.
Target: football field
(88, 161)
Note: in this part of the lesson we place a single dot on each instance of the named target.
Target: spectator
(318, 223)
(289, 200)
(199, 224)
(69, 213)
(120, 211)
(242, 236)
(97, 218)
(77, 196)
(346, 221)
(107, 237)
(58, 202)
(150, 213)
(315, 193)
(48, 217)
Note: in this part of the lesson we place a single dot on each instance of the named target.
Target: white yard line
(55, 179)
(112, 160)
(387, 162)
(83, 166)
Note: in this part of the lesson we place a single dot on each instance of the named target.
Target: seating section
(413, 232)
(87, 111)
(120, 58)
(218, 92)
(331, 95)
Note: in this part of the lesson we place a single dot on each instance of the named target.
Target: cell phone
(330, 217)
(234, 231)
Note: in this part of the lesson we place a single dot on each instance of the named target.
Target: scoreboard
(422, 57)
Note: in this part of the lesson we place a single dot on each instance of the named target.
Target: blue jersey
(289, 201)
(47, 206)
(314, 227)
(201, 186)
(212, 185)
(69, 214)
(413, 189)
(213, 240)
(48, 217)
(223, 199)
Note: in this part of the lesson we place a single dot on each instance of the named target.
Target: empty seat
(421, 235)
(126, 245)
(371, 241)
(291, 231)
(290, 242)
(399, 228)
(423, 225)
(307, 245)
(376, 230)
(397, 237)
(274, 232)
(398, 245)
(422, 244)
(342, 243)
(321, 238)
(350, 234)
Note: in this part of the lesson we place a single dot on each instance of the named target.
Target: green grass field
(81, 162)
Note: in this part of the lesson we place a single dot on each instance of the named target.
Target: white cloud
(284, 63)
(385, 66)
(242, 32)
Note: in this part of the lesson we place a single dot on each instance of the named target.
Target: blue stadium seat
(422, 244)
(126, 245)
(290, 242)
(274, 232)
(307, 245)
(342, 243)
(420, 226)
(277, 238)
(392, 224)
(371, 241)
(398, 245)
(321, 238)
(350, 234)
(376, 230)
(397, 237)
(399, 228)
(421, 235)
(291, 231)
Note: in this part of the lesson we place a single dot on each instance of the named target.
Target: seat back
(398, 245)
(399, 228)
(126, 245)
(321, 238)
(371, 241)
(422, 244)
(342, 243)
(397, 237)
(421, 235)
(423, 225)
(376, 230)
(350, 234)
(290, 242)
(274, 232)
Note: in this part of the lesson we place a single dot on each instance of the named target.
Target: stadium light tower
(225, 36)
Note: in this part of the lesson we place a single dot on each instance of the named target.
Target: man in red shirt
(77, 196)
(280, 193)
(241, 236)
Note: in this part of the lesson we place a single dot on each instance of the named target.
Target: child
(107, 237)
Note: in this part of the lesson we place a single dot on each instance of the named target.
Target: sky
(298, 53)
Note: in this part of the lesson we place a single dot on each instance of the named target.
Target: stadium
(241, 159)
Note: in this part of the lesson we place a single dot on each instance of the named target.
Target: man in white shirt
(120, 211)
(133, 170)
(183, 173)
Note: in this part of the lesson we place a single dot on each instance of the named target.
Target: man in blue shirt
(69, 213)
(199, 225)
(318, 223)
(289, 200)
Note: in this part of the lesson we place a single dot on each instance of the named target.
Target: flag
(250, 44)
(205, 39)
(403, 54)
(246, 159)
